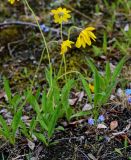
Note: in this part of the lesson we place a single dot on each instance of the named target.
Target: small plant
(9, 131)
(124, 46)
(103, 85)
(13, 101)
(48, 109)
(98, 51)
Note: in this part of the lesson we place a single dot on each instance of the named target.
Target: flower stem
(61, 29)
(70, 72)
(65, 65)
(70, 29)
(45, 43)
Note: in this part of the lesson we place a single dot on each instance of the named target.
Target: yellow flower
(11, 1)
(65, 45)
(85, 37)
(61, 15)
(91, 87)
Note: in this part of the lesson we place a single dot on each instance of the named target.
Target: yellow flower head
(11, 1)
(61, 15)
(85, 37)
(91, 87)
(65, 45)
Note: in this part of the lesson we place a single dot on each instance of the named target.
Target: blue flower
(129, 100)
(101, 118)
(128, 91)
(44, 28)
(91, 121)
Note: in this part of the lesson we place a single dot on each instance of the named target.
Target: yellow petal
(78, 42)
(91, 34)
(91, 87)
(86, 37)
(90, 28)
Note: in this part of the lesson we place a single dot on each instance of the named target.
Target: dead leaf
(101, 126)
(91, 156)
(31, 145)
(77, 122)
(112, 67)
(126, 28)
(113, 125)
(120, 93)
(87, 107)
(112, 97)
(2, 94)
(80, 96)
(72, 101)
(24, 118)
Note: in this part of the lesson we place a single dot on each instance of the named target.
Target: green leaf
(69, 112)
(108, 92)
(118, 151)
(7, 89)
(5, 129)
(108, 73)
(65, 92)
(101, 82)
(44, 102)
(97, 91)
(16, 121)
(53, 120)
(48, 74)
(32, 100)
(16, 100)
(42, 123)
(65, 98)
(118, 69)
(80, 114)
(50, 101)
(86, 87)
(41, 137)
(91, 65)
(60, 128)
(37, 95)
(24, 130)
(33, 124)
(104, 43)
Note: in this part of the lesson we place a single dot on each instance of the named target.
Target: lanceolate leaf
(87, 89)
(118, 69)
(41, 137)
(4, 129)
(16, 121)
(52, 121)
(7, 89)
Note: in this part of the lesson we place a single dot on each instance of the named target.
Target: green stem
(61, 29)
(46, 47)
(59, 72)
(71, 28)
(37, 69)
(44, 40)
(70, 72)
(64, 59)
